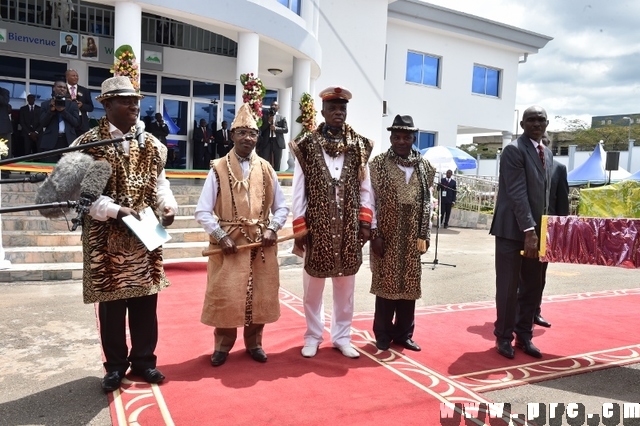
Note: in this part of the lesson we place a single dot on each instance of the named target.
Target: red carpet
(462, 341)
(458, 360)
(288, 389)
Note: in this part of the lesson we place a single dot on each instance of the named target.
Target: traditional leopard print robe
(116, 264)
(397, 276)
(333, 248)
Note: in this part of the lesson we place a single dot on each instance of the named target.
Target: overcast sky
(592, 65)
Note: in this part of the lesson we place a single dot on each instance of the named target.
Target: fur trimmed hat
(244, 118)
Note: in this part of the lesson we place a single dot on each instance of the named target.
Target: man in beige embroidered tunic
(401, 179)
(332, 198)
(240, 191)
(119, 272)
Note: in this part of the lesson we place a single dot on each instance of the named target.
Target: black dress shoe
(150, 375)
(528, 348)
(257, 354)
(541, 321)
(111, 381)
(409, 344)
(383, 346)
(505, 349)
(218, 358)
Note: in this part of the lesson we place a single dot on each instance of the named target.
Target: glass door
(207, 110)
(175, 112)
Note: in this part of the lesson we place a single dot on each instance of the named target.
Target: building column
(572, 156)
(247, 61)
(128, 29)
(308, 12)
(301, 84)
(507, 137)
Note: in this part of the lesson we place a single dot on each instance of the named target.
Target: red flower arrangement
(307, 114)
(252, 93)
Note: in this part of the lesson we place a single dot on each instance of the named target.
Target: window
(13, 67)
(176, 86)
(294, 5)
(486, 81)
(47, 71)
(98, 75)
(425, 140)
(423, 69)
(602, 122)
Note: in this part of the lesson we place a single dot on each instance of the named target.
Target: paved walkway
(50, 361)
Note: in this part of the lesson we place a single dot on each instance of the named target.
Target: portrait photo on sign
(90, 47)
(68, 44)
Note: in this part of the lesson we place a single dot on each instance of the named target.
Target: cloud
(589, 68)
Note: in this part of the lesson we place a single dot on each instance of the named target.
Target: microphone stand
(88, 145)
(55, 205)
(38, 177)
(435, 256)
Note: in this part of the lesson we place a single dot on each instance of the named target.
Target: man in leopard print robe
(119, 272)
(332, 199)
(401, 179)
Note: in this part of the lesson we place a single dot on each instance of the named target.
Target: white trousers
(342, 314)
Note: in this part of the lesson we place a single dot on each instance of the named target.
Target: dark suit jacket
(448, 191)
(159, 131)
(30, 122)
(84, 95)
(559, 190)
(5, 123)
(281, 128)
(221, 149)
(523, 190)
(74, 49)
(49, 121)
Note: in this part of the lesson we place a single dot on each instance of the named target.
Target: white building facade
(454, 73)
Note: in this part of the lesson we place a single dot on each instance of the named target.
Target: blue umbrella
(449, 157)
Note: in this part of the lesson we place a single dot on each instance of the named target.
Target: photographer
(59, 119)
(272, 132)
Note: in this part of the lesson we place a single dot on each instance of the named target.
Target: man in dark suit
(448, 190)
(558, 206)
(159, 129)
(82, 97)
(223, 141)
(274, 126)
(69, 48)
(523, 196)
(201, 146)
(30, 124)
(59, 118)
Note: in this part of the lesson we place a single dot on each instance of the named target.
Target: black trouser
(60, 143)
(273, 153)
(446, 213)
(383, 326)
(518, 290)
(143, 329)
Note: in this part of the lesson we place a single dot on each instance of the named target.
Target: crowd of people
(342, 199)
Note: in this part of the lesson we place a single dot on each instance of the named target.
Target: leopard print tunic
(397, 276)
(116, 264)
(333, 248)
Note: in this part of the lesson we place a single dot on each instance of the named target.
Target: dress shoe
(150, 375)
(111, 381)
(348, 351)
(528, 348)
(257, 354)
(218, 358)
(505, 349)
(541, 321)
(410, 344)
(309, 351)
(383, 346)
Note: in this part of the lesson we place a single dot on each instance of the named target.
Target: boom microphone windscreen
(91, 188)
(63, 184)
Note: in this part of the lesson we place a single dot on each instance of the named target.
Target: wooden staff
(216, 251)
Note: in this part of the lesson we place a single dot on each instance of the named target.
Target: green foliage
(124, 48)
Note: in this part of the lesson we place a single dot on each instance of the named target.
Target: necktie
(68, 49)
(204, 134)
(541, 153)
(73, 92)
(224, 135)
